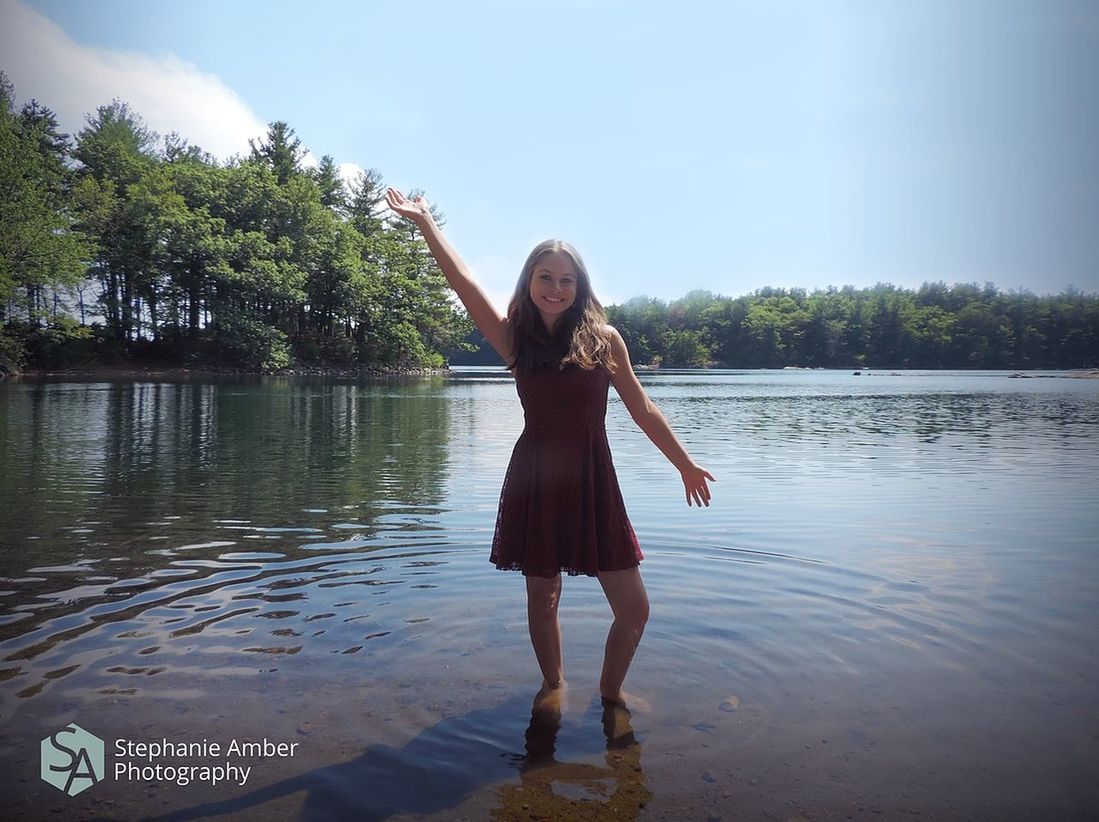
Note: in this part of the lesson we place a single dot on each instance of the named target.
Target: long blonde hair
(581, 336)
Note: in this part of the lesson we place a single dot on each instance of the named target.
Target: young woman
(560, 507)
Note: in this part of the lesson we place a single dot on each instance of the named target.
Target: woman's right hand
(490, 322)
(416, 210)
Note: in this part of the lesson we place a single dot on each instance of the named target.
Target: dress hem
(572, 572)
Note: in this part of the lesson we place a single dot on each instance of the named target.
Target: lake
(890, 610)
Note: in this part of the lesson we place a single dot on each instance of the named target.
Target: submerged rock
(730, 703)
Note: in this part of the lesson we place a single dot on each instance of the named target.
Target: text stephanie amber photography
(159, 760)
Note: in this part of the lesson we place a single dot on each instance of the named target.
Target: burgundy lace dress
(560, 507)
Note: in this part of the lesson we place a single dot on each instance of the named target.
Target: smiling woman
(561, 509)
(553, 287)
(554, 315)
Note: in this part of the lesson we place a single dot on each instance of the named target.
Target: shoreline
(135, 371)
(138, 371)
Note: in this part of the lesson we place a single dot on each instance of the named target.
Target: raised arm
(488, 320)
(656, 428)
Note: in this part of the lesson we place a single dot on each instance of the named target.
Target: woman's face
(553, 286)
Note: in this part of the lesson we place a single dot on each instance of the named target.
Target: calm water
(889, 611)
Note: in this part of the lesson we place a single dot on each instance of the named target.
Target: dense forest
(258, 262)
(936, 326)
(119, 246)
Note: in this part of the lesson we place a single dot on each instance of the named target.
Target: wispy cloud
(72, 79)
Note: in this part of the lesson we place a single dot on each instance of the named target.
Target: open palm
(414, 210)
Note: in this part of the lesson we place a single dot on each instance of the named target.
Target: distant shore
(125, 371)
(1083, 374)
(145, 371)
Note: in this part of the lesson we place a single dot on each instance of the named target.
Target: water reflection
(921, 552)
(105, 486)
(245, 604)
(551, 789)
(449, 761)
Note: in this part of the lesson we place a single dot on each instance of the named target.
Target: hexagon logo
(72, 759)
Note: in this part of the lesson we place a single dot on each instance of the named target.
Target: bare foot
(629, 702)
(616, 725)
(551, 699)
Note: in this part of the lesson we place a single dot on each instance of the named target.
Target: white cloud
(349, 173)
(72, 79)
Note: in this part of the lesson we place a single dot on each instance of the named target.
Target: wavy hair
(581, 336)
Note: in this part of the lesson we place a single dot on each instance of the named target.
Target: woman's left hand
(694, 483)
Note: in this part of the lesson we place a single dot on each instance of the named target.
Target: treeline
(118, 244)
(936, 326)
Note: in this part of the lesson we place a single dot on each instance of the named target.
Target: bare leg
(630, 605)
(543, 595)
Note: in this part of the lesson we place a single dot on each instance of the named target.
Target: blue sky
(724, 146)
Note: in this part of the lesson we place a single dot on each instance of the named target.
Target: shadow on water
(452, 759)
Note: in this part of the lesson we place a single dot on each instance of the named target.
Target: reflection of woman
(588, 794)
(560, 507)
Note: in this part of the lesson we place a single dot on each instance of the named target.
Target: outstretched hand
(416, 210)
(694, 483)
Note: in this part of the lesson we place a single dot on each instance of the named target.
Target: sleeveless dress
(561, 508)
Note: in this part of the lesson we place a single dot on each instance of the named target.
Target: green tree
(115, 150)
(330, 184)
(40, 246)
(367, 200)
(281, 151)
